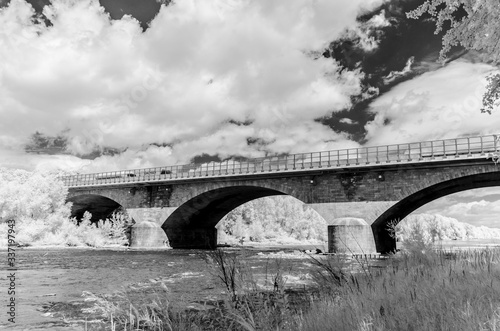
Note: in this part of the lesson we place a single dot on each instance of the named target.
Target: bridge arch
(101, 207)
(192, 224)
(385, 243)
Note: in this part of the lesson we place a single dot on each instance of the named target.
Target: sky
(89, 85)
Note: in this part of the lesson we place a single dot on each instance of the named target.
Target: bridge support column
(347, 229)
(147, 231)
(350, 235)
(189, 237)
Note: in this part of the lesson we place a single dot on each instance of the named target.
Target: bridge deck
(429, 151)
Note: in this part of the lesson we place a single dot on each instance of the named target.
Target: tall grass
(433, 290)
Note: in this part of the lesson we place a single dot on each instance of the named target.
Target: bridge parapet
(428, 151)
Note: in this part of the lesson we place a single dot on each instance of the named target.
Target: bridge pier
(351, 235)
(147, 231)
(348, 232)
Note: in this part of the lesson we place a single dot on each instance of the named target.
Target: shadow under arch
(383, 240)
(192, 225)
(99, 206)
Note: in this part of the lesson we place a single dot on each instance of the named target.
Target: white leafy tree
(474, 25)
(37, 203)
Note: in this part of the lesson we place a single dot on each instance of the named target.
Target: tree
(472, 24)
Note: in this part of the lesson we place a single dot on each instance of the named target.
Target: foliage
(25, 195)
(427, 229)
(278, 219)
(472, 24)
(37, 202)
(491, 97)
(115, 228)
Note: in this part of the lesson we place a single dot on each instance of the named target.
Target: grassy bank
(414, 291)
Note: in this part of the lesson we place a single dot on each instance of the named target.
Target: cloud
(40, 162)
(477, 207)
(441, 104)
(489, 194)
(367, 34)
(199, 65)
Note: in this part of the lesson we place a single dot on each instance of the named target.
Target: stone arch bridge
(380, 184)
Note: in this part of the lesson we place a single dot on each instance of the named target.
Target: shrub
(37, 201)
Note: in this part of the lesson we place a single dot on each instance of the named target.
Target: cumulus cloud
(441, 104)
(479, 207)
(199, 65)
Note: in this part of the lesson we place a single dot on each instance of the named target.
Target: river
(49, 282)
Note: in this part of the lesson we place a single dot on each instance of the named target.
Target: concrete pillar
(147, 231)
(148, 235)
(350, 235)
(187, 237)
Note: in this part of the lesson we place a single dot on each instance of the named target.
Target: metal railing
(467, 147)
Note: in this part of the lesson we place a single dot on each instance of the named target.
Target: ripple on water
(51, 281)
